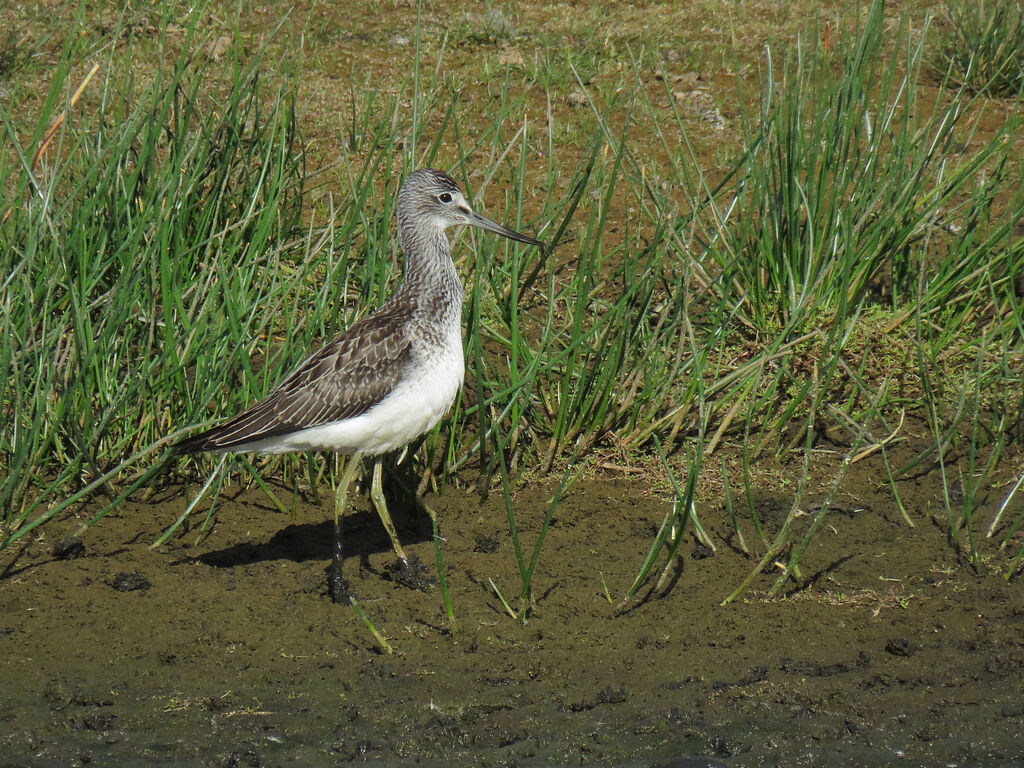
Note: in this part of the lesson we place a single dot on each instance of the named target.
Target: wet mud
(228, 652)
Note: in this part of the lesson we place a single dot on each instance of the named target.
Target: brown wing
(343, 379)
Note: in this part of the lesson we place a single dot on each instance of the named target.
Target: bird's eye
(445, 197)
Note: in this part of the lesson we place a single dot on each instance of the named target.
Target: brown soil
(229, 653)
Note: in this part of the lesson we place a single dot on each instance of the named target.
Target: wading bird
(388, 378)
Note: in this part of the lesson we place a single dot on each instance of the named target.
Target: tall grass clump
(859, 196)
(157, 192)
(981, 45)
(853, 190)
(580, 341)
(847, 177)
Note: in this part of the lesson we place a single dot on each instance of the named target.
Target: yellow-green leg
(410, 572)
(336, 586)
(341, 492)
(377, 495)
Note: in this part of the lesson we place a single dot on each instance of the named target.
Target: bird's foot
(410, 573)
(337, 587)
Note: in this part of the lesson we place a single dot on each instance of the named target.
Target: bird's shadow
(362, 535)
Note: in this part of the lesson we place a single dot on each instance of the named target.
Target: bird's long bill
(492, 226)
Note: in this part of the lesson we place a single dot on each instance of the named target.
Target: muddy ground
(228, 652)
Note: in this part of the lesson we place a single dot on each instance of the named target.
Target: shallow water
(894, 652)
